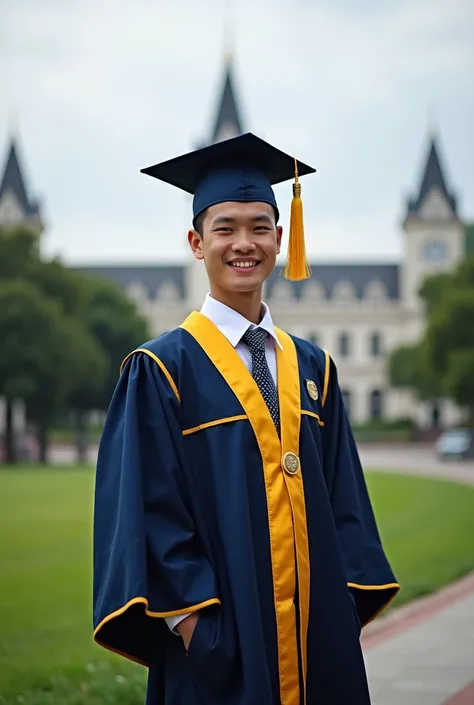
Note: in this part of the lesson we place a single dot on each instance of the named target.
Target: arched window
(344, 345)
(344, 292)
(282, 293)
(375, 292)
(376, 404)
(313, 291)
(375, 344)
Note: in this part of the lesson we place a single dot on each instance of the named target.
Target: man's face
(239, 245)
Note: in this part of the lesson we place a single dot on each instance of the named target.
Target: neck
(248, 304)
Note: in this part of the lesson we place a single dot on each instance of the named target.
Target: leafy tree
(459, 380)
(80, 328)
(408, 368)
(18, 250)
(442, 364)
(43, 354)
(114, 323)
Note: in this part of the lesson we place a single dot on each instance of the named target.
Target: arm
(148, 560)
(368, 573)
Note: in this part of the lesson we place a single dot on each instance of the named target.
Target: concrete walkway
(423, 653)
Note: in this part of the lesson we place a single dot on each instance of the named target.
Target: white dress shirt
(233, 326)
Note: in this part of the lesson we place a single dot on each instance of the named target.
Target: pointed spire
(228, 122)
(433, 178)
(13, 182)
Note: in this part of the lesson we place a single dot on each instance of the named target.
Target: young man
(236, 552)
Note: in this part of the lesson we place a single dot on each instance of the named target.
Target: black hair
(198, 223)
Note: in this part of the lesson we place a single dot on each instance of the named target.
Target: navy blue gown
(200, 505)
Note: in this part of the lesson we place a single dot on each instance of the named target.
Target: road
(412, 459)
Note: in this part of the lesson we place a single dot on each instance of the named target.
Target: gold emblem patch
(312, 389)
(291, 463)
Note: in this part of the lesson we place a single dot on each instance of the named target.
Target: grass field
(47, 655)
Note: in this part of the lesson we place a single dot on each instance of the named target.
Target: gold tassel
(296, 267)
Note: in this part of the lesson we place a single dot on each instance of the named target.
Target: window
(313, 291)
(375, 344)
(435, 415)
(375, 291)
(344, 345)
(344, 292)
(282, 292)
(376, 404)
(346, 398)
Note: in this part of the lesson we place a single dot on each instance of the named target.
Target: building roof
(151, 277)
(433, 177)
(14, 182)
(358, 276)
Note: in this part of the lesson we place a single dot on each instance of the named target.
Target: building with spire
(228, 121)
(358, 312)
(16, 206)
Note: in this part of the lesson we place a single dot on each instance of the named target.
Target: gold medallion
(312, 389)
(291, 463)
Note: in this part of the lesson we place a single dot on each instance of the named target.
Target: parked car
(455, 443)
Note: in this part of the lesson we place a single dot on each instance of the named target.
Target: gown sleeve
(369, 576)
(148, 561)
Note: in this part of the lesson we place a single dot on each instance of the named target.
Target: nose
(243, 242)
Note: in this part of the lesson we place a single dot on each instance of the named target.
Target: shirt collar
(232, 324)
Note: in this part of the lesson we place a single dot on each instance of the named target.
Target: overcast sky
(101, 88)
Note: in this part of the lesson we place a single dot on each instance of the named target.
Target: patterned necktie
(255, 339)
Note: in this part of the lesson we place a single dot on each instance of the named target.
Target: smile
(244, 264)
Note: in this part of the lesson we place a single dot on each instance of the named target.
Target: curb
(415, 612)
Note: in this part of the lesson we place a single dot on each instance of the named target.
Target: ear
(195, 243)
(279, 233)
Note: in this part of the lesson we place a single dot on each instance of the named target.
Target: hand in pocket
(186, 628)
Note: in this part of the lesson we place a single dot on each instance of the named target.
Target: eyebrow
(225, 220)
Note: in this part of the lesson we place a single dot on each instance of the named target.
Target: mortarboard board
(242, 169)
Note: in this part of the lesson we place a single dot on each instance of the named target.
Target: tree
(449, 340)
(442, 364)
(117, 328)
(44, 353)
(91, 322)
(18, 250)
(408, 368)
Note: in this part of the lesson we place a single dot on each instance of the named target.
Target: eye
(262, 227)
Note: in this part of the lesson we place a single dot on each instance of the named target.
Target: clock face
(434, 251)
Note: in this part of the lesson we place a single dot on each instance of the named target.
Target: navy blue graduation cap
(242, 169)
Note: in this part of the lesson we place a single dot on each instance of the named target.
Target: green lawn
(46, 653)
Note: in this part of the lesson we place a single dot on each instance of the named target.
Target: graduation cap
(242, 169)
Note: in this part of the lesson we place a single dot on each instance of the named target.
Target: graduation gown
(200, 505)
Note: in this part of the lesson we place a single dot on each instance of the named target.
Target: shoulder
(309, 351)
(161, 355)
(313, 360)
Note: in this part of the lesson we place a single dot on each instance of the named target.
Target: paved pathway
(423, 653)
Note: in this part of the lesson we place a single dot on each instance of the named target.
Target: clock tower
(434, 233)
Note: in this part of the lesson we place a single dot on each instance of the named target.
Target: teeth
(244, 264)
